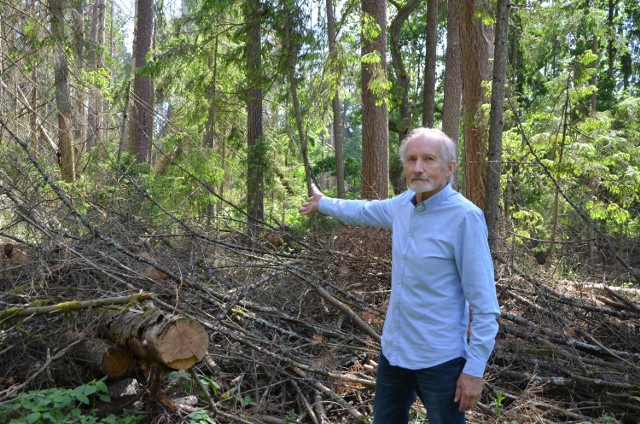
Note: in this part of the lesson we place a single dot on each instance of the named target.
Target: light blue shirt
(441, 264)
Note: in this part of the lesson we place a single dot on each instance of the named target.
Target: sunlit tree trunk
(338, 135)
(63, 101)
(255, 139)
(429, 93)
(375, 132)
(452, 76)
(476, 40)
(140, 135)
(493, 191)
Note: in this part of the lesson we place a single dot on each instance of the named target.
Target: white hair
(447, 147)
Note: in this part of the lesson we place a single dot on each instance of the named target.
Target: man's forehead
(424, 142)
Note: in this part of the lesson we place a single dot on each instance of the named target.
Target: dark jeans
(396, 389)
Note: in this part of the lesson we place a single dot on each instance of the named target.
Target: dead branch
(72, 306)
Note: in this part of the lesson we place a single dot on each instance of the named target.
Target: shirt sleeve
(371, 213)
(475, 267)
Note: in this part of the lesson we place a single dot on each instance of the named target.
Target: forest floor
(293, 325)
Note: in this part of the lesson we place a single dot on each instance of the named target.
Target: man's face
(425, 170)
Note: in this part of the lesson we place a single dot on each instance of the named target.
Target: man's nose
(419, 166)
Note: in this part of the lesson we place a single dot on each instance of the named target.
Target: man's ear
(451, 168)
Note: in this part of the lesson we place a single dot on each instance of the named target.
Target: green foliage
(328, 164)
(370, 27)
(248, 401)
(200, 416)
(496, 403)
(59, 405)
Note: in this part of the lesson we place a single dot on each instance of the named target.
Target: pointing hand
(311, 206)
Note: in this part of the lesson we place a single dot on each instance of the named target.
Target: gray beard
(421, 186)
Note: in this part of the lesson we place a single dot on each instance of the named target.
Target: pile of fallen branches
(293, 329)
(292, 319)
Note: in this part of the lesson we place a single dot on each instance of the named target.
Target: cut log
(167, 339)
(104, 357)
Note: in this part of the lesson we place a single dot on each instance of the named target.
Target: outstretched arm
(311, 206)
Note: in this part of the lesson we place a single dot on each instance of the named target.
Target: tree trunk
(255, 139)
(79, 95)
(493, 192)
(452, 75)
(593, 99)
(429, 93)
(338, 137)
(292, 52)
(96, 102)
(166, 339)
(210, 128)
(403, 80)
(63, 101)
(375, 131)
(476, 40)
(142, 107)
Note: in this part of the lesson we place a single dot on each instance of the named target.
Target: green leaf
(33, 417)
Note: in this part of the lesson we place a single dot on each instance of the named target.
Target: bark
(142, 107)
(493, 193)
(476, 40)
(255, 143)
(429, 94)
(170, 340)
(375, 131)
(453, 74)
(338, 137)
(63, 100)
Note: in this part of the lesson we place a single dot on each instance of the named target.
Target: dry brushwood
(293, 332)
(564, 352)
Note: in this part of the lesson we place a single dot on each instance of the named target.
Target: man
(441, 264)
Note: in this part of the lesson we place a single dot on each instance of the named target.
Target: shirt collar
(433, 200)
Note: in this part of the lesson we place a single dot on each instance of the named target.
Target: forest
(154, 155)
